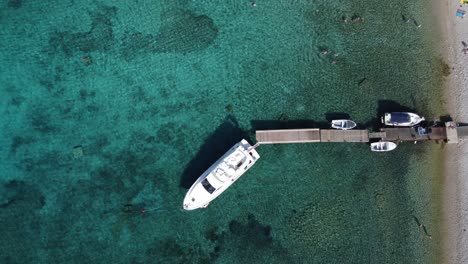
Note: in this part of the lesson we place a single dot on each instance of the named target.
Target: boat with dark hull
(402, 119)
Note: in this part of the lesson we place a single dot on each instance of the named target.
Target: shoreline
(453, 31)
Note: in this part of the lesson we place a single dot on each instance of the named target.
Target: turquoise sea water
(112, 107)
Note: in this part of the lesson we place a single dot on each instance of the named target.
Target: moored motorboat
(343, 124)
(383, 146)
(224, 172)
(401, 119)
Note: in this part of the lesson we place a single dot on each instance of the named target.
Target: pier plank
(288, 136)
(353, 135)
(377, 134)
(452, 132)
(411, 134)
(462, 132)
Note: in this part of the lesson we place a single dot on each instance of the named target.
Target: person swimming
(128, 208)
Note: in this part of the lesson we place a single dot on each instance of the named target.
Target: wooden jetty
(451, 133)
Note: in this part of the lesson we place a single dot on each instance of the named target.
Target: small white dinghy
(343, 124)
(383, 146)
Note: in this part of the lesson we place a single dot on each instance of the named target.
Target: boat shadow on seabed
(220, 141)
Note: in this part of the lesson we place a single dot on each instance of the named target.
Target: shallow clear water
(126, 103)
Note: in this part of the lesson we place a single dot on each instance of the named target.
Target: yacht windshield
(400, 118)
(206, 184)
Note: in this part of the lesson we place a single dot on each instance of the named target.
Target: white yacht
(224, 172)
(401, 119)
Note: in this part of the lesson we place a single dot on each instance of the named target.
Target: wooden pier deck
(309, 135)
(450, 133)
(411, 134)
(281, 136)
(462, 132)
(377, 135)
(334, 135)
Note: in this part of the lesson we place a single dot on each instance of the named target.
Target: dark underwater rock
(7, 194)
(15, 4)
